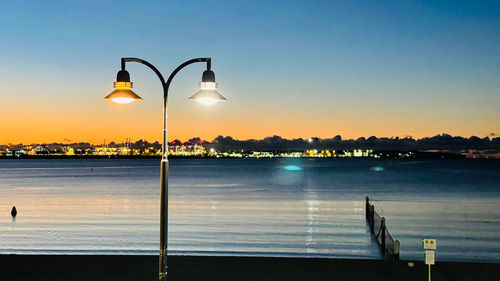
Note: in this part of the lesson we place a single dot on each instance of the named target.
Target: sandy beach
(107, 267)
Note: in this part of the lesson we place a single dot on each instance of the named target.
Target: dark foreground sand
(67, 267)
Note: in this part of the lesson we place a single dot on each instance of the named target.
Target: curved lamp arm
(166, 85)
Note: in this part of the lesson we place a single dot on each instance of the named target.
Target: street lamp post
(206, 95)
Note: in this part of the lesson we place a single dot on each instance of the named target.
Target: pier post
(367, 206)
(382, 229)
(396, 250)
(372, 219)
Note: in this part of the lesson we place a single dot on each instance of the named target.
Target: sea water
(255, 207)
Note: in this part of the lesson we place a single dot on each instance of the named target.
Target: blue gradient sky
(292, 68)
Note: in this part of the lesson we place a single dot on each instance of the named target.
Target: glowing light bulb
(206, 101)
(207, 95)
(122, 100)
(123, 93)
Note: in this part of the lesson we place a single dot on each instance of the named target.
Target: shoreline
(391, 155)
(221, 268)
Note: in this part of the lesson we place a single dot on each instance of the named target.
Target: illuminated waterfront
(438, 147)
(176, 148)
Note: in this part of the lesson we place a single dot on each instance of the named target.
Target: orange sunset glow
(96, 120)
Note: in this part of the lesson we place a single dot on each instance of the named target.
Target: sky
(288, 68)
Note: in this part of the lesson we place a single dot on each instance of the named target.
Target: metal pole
(429, 272)
(164, 199)
(164, 173)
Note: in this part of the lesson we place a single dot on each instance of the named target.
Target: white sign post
(430, 246)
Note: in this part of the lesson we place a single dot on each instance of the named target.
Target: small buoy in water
(13, 212)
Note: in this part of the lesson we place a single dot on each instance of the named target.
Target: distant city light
(195, 149)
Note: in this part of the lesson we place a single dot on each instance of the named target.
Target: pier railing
(378, 228)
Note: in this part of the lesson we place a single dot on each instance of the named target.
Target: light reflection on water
(250, 207)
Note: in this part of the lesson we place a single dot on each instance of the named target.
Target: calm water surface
(269, 207)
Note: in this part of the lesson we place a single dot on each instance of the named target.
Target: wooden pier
(378, 228)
